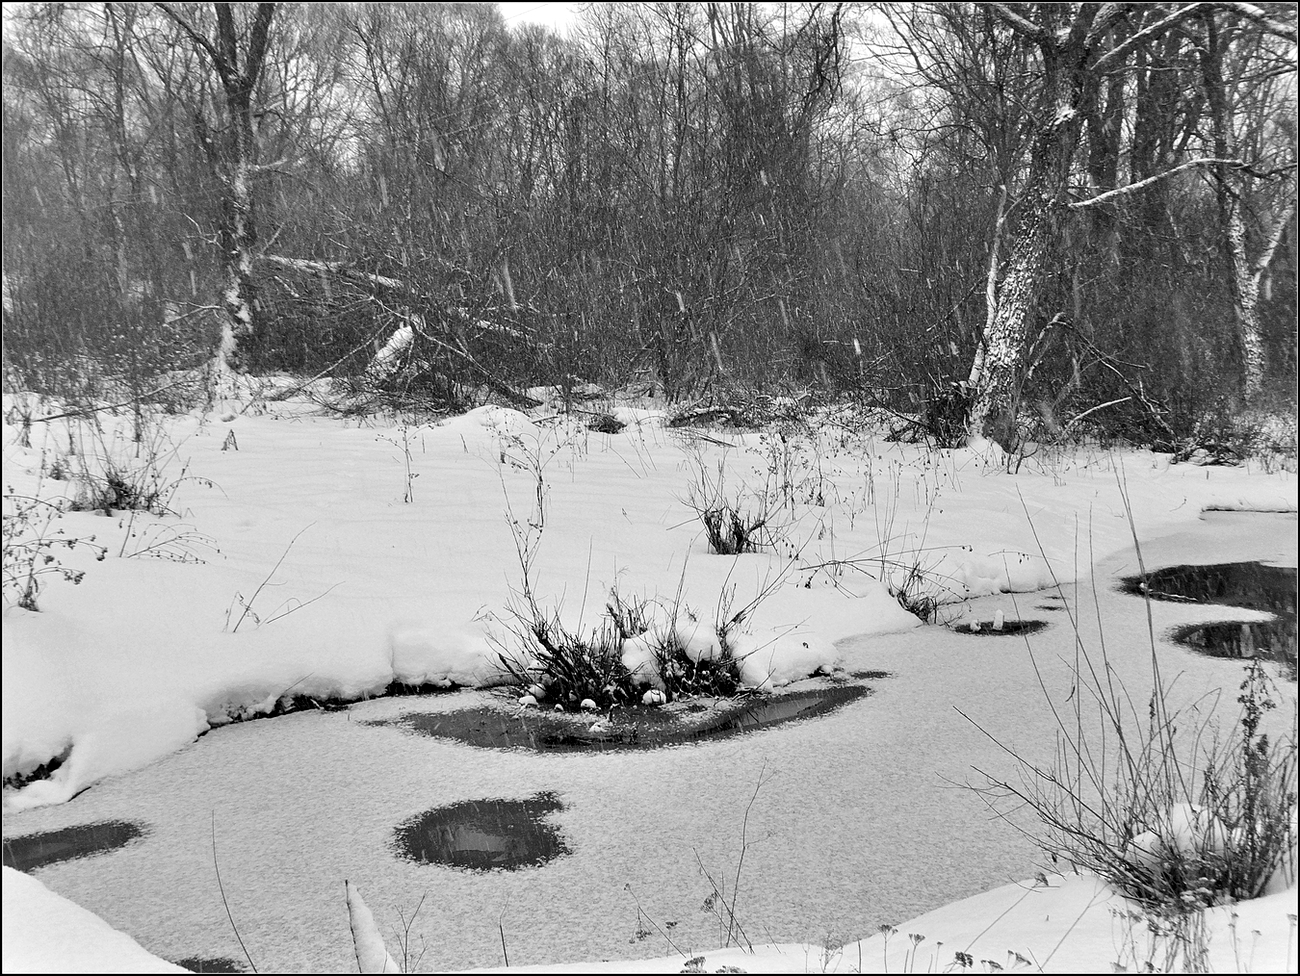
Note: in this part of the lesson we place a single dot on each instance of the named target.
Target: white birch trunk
(999, 365)
(1246, 306)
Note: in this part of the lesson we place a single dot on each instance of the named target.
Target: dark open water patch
(485, 835)
(631, 728)
(213, 964)
(32, 851)
(1008, 629)
(1254, 585)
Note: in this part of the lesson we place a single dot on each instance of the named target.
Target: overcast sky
(557, 16)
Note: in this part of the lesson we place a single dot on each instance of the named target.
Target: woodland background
(1023, 220)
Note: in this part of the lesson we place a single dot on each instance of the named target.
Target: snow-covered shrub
(693, 657)
(638, 644)
(31, 543)
(1168, 820)
(557, 666)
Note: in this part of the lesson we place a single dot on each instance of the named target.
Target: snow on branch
(413, 323)
(385, 360)
(331, 267)
(1143, 184)
(1017, 23)
(1119, 52)
(267, 167)
(1252, 12)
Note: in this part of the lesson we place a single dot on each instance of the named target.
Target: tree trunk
(1243, 285)
(996, 379)
(239, 230)
(232, 155)
(1245, 297)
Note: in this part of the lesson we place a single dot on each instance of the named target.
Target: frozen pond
(1253, 585)
(857, 818)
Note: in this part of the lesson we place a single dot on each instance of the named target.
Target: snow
(1054, 924)
(45, 933)
(141, 658)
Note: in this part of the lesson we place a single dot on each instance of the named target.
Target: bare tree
(233, 153)
(1233, 184)
(1077, 44)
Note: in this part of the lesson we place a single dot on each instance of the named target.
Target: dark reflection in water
(32, 851)
(1254, 585)
(485, 835)
(1009, 627)
(213, 964)
(631, 728)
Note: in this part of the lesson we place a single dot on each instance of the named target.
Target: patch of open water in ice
(1253, 585)
(485, 835)
(28, 852)
(210, 964)
(1009, 628)
(633, 728)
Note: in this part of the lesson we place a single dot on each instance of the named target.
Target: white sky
(559, 17)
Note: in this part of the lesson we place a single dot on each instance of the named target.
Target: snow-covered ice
(857, 824)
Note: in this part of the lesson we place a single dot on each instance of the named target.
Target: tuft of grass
(731, 532)
(126, 477)
(734, 522)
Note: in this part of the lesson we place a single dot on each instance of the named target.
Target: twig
(248, 606)
(220, 887)
(85, 411)
(744, 846)
(300, 605)
(642, 913)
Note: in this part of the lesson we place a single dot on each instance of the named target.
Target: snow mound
(124, 741)
(46, 933)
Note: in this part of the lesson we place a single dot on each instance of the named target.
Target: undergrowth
(32, 543)
(737, 521)
(114, 476)
(1162, 803)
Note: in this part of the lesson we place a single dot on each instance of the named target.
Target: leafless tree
(233, 153)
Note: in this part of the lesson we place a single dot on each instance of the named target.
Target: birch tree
(232, 152)
(1232, 186)
(1078, 44)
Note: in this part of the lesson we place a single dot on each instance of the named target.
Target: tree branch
(1109, 15)
(226, 38)
(1119, 52)
(258, 41)
(217, 60)
(1018, 23)
(265, 167)
(331, 267)
(1143, 184)
(1251, 12)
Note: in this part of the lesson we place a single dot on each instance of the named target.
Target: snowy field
(329, 558)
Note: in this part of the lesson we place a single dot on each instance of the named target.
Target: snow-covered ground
(387, 577)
